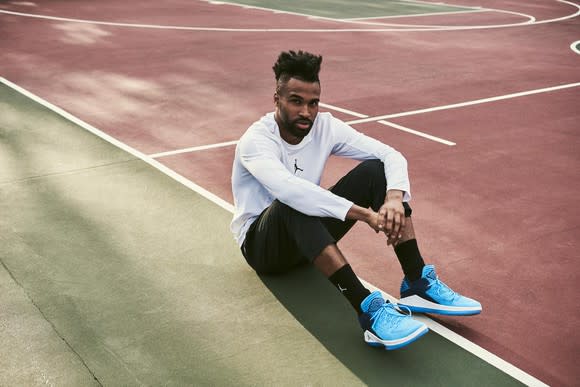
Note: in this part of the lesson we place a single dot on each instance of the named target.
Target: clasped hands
(390, 218)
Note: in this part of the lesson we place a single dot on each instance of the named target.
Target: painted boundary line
(392, 125)
(193, 149)
(460, 341)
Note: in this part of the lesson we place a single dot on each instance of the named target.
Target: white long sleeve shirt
(267, 168)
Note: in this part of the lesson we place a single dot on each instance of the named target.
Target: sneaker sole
(389, 345)
(420, 305)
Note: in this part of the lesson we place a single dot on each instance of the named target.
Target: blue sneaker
(386, 326)
(429, 295)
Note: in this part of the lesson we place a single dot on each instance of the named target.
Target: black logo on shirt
(296, 167)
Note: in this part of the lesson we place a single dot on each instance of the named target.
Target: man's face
(296, 109)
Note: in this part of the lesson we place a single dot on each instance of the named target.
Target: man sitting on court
(283, 218)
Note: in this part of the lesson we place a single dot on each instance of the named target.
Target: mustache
(303, 121)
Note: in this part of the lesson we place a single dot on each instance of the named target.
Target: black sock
(410, 259)
(349, 285)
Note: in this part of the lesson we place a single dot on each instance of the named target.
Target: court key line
(392, 125)
(460, 341)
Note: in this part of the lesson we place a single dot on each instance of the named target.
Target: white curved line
(563, 17)
(531, 19)
(574, 47)
(311, 30)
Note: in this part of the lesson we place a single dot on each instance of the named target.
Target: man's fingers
(396, 227)
(381, 218)
(389, 225)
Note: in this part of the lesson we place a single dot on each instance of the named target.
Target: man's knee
(374, 169)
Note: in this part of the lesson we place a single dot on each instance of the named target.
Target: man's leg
(366, 186)
(421, 290)
(335, 267)
(282, 238)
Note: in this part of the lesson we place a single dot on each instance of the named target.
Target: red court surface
(496, 212)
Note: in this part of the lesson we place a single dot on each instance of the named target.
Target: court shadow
(321, 310)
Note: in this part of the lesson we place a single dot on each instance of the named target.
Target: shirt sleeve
(261, 156)
(353, 144)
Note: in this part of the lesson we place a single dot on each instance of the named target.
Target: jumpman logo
(296, 167)
(341, 289)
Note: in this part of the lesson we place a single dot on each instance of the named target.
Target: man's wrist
(395, 194)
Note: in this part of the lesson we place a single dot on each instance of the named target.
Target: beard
(299, 127)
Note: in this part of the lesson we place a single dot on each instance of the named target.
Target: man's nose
(305, 111)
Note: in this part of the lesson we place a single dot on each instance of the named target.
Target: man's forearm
(359, 213)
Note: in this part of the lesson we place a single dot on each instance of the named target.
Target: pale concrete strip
(33, 353)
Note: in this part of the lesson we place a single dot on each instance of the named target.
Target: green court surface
(347, 9)
(113, 273)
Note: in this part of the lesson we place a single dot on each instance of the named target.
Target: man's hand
(391, 217)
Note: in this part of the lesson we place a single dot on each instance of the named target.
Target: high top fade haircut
(301, 65)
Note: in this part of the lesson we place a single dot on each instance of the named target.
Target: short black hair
(301, 65)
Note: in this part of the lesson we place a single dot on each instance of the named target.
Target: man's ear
(276, 99)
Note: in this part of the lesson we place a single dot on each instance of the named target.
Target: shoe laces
(443, 290)
(391, 314)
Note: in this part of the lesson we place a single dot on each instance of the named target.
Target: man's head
(297, 93)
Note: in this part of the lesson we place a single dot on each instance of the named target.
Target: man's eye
(295, 101)
(314, 103)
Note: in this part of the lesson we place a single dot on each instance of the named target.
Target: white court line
(417, 133)
(463, 104)
(193, 149)
(406, 27)
(574, 47)
(327, 106)
(458, 340)
(297, 30)
(392, 125)
(342, 110)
